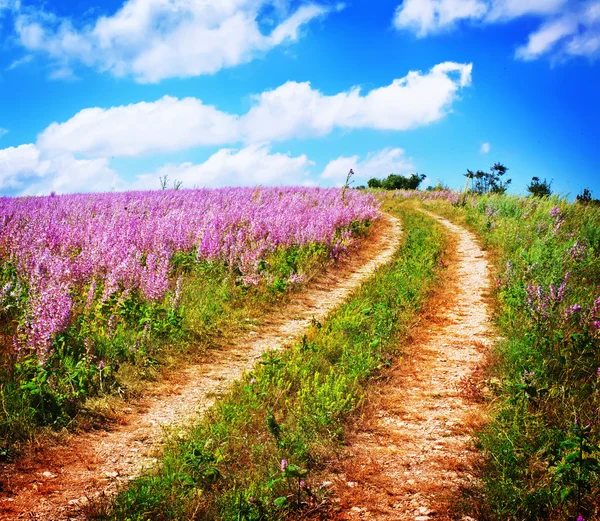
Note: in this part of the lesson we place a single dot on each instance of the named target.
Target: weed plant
(254, 455)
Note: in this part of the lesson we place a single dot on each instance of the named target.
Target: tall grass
(542, 447)
(253, 456)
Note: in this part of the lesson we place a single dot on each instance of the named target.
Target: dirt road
(411, 453)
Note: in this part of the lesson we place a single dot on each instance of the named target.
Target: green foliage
(585, 197)
(397, 182)
(439, 187)
(491, 182)
(539, 188)
(542, 445)
(252, 457)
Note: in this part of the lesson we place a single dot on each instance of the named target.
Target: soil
(410, 455)
(57, 481)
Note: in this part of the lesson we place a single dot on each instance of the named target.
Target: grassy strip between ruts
(253, 455)
(543, 444)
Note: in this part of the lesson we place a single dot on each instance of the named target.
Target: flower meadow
(87, 279)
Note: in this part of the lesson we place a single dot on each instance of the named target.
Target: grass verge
(254, 454)
(543, 445)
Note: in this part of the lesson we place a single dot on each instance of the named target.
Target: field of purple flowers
(87, 280)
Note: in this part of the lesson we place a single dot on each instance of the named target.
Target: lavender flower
(541, 302)
(578, 251)
(63, 247)
(573, 309)
(555, 212)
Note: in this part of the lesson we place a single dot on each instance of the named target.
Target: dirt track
(55, 482)
(411, 454)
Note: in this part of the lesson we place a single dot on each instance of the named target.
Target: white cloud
(250, 166)
(545, 38)
(24, 169)
(3, 132)
(157, 39)
(569, 27)
(165, 125)
(509, 9)
(293, 110)
(485, 148)
(18, 163)
(28, 58)
(430, 16)
(576, 33)
(298, 110)
(377, 164)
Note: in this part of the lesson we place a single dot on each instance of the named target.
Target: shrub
(539, 188)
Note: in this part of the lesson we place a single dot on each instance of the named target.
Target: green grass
(254, 455)
(542, 446)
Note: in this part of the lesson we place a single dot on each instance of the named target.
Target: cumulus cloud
(568, 27)
(376, 164)
(157, 39)
(298, 110)
(25, 170)
(249, 166)
(166, 125)
(293, 110)
(485, 148)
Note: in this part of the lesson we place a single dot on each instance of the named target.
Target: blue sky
(102, 95)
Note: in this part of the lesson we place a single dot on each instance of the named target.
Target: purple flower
(578, 251)
(572, 310)
(541, 302)
(580, 518)
(66, 247)
(283, 465)
(555, 212)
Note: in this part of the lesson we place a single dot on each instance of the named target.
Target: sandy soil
(410, 454)
(55, 482)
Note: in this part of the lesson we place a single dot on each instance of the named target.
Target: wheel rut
(411, 453)
(56, 482)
